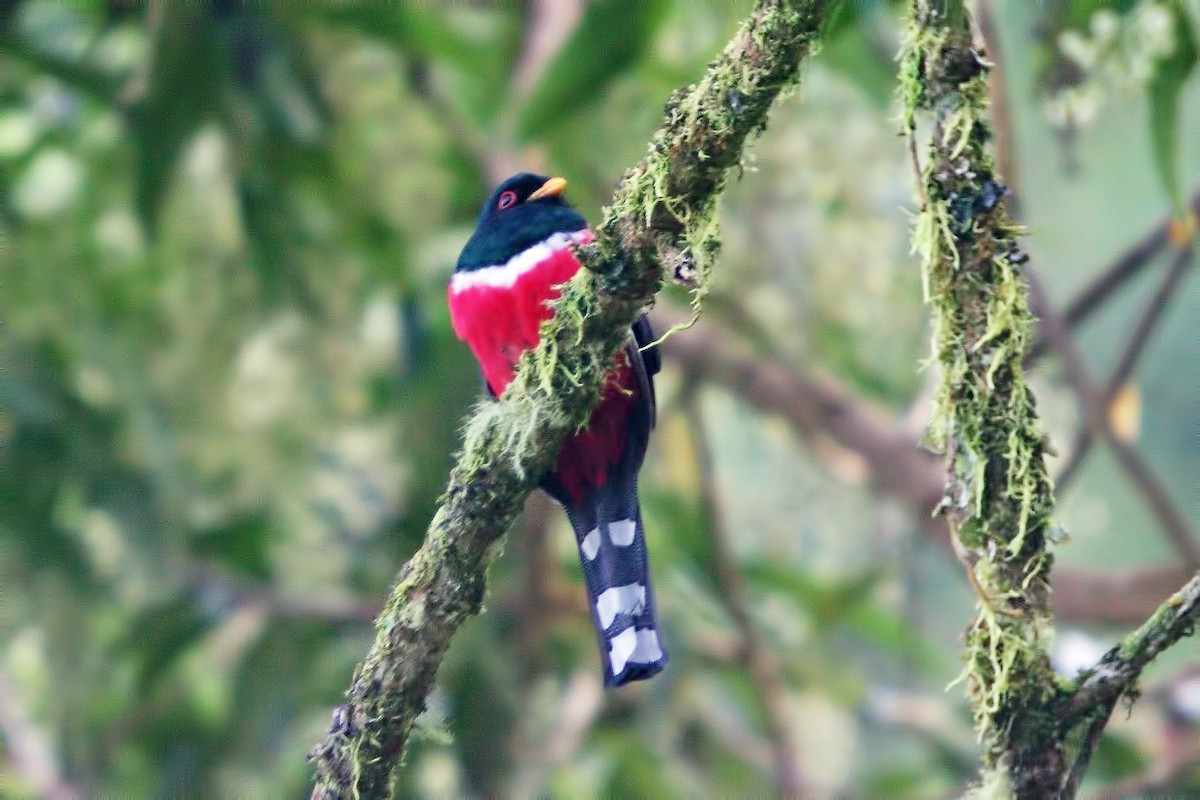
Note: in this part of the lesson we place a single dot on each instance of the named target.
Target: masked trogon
(499, 295)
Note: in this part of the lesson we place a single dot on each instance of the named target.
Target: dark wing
(643, 366)
(643, 334)
(646, 360)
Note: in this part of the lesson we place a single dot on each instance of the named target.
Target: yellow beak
(551, 188)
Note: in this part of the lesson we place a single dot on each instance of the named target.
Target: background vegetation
(229, 394)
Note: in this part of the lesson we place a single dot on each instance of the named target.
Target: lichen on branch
(998, 498)
(660, 224)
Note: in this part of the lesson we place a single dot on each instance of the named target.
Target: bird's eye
(507, 199)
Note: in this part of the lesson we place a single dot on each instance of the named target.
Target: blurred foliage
(229, 392)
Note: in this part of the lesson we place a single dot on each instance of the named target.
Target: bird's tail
(612, 550)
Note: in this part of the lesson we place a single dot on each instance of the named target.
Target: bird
(508, 273)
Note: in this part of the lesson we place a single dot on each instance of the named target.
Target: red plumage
(499, 322)
(507, 275)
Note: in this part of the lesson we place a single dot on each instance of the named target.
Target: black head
(521, 212)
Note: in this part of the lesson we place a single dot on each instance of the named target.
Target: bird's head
(524, 210)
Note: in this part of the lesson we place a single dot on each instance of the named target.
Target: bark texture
(998, 498)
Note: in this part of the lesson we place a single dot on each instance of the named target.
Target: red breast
(498, 310)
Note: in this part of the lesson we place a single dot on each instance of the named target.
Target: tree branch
(1173, 523)
(1114, 596)
(1120, 667)
(1120, 374)
(1100, 689)
(818, 406)
(999, 499)
(661, 217)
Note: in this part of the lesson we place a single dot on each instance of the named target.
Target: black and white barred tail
(612, 550)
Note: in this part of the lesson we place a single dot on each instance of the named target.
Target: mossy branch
(1118, 670)
(660, 222)
(1115, 676)
(998, 499)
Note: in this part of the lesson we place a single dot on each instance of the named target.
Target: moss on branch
(1117, 672)
(660, 221)
(998, 499)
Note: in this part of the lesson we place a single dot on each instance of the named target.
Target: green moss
(999, 500)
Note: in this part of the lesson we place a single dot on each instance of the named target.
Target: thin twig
(1087, 746)
(135, 87)
(1004, 148)
(320, 606)
(765, 672)
(547, 27)
(542, 744)
(818, 406)
(1118, 671)
(1174, 525)
(1126, 266)
(1136, 469)
(1149, 320)
(1133, 349)
(1114, 597)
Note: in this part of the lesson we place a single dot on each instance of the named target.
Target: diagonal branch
(1174, 524)
(818, 406)
(1120, 667)
(1126, 266)
(660, 218)
(1118, 671)
(1133, 349)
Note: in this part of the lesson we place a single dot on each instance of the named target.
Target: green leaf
(612, 36)
(1117, 757)
(161, 635)
(52, 441)
(75, 76)
(853, 56)
(685, 536)
(191, 65)
(1078, 13)
(241, 545)
(411, 28)
(828, 602)
(845, 602)
(1165, 90)
(480, 56)
(851, 50)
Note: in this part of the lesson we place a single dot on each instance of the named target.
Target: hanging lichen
(998, 499)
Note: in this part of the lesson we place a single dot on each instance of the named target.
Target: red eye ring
(507, 199)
